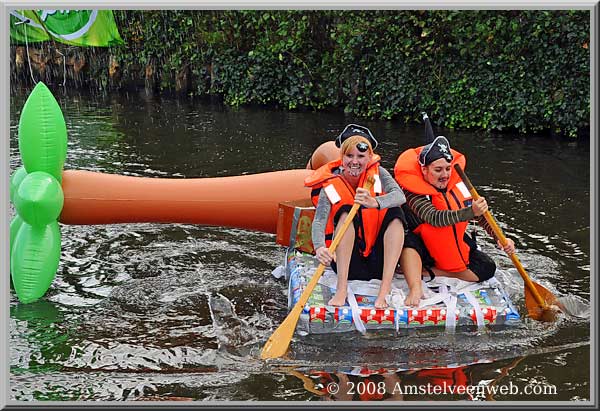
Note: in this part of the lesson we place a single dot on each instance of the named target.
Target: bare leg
(466, 275)
(343, 253)
(412, 267)
(393, 240)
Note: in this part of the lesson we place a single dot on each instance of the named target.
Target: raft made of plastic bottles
(448, 303)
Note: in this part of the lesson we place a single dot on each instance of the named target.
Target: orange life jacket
(444, 377)
(445, 244)
(369, 219)
(370, 391)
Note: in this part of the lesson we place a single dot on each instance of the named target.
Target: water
(180, 312)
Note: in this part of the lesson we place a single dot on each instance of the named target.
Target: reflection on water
(488, 380)
(180, 312)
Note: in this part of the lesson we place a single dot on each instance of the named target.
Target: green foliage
(491, 69)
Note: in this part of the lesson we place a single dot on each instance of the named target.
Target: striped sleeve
(487, 227)
(422, 207)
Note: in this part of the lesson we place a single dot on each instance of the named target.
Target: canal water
(180, 312)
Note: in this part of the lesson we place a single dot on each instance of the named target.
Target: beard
(354, 172)
(442, 185)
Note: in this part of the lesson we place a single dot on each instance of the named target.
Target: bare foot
(380, 302)
(414, 298)
(339, 299)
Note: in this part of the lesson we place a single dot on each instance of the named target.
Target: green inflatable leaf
(43, 133)
(15, 181)
(39, 199)
(35, 258)
(41, 312)
(15, 225)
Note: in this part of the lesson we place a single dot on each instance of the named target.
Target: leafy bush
(527, 70)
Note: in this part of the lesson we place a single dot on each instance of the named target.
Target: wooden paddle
(309, 384)
(279, 341)
(541, 304)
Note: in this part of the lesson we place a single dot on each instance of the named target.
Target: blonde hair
(351, 142)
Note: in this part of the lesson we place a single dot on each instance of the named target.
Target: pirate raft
(44, 194)
(448, 303)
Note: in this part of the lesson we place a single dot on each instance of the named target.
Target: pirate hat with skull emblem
(436, 149)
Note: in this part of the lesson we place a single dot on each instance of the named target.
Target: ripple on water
(173, 304)
(179, 311)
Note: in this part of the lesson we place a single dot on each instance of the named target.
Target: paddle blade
(309, 384)
(278, 343)
(549, 311)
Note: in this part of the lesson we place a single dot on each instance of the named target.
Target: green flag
(75, 27)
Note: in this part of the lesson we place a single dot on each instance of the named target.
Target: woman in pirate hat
(371, 246)
(438, 210)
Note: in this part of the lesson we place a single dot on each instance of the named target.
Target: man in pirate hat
(438, 209)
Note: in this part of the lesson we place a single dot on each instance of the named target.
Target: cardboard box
(296, 215)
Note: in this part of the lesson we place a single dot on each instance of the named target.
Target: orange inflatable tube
(248, 201)
(325, 153)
